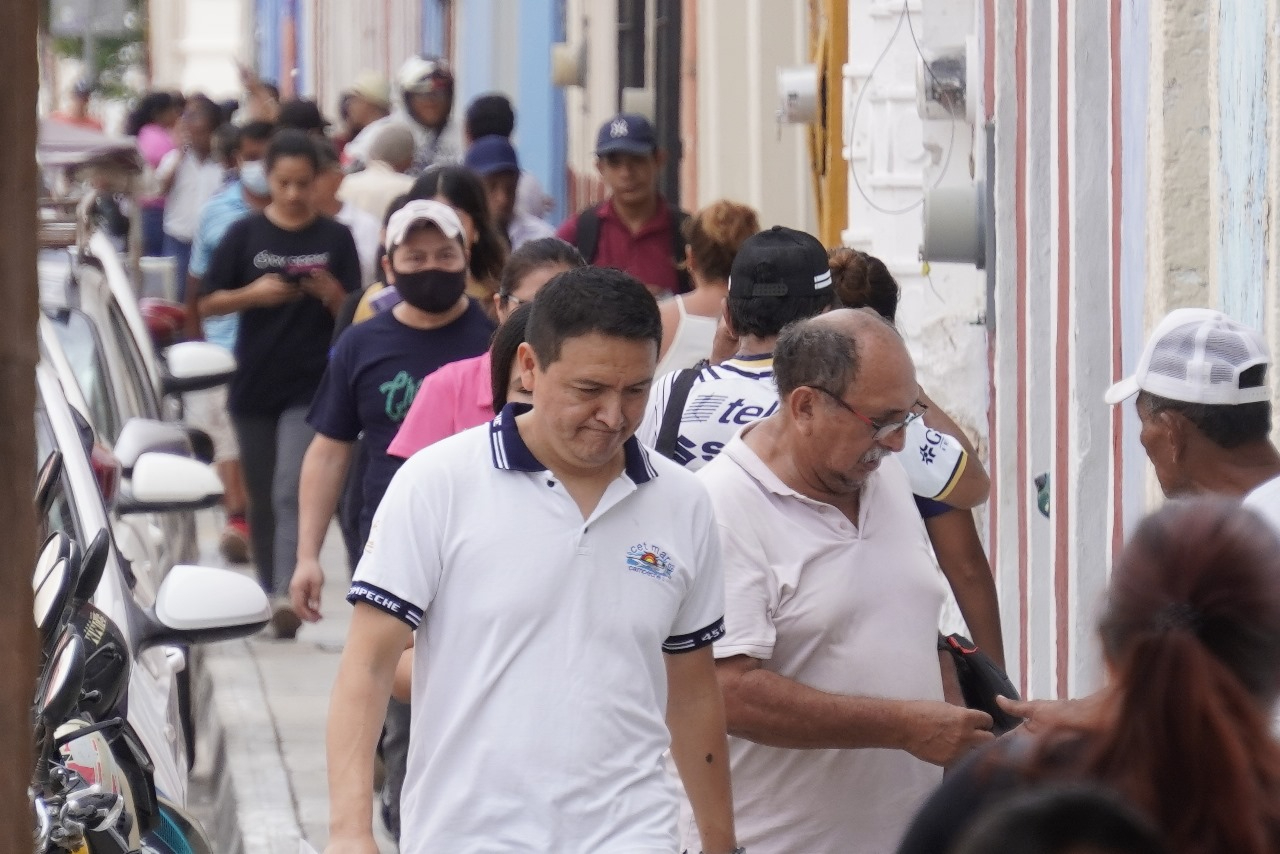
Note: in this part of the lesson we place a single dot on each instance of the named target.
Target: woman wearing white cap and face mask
(375, 371)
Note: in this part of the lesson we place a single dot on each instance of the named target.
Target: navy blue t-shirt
(373, 375)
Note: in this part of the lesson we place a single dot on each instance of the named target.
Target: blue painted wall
(505, 46)
(432, 37)
(269, 15)
(303, 30)
(269, 34)
(1242, 169)
(541, 125)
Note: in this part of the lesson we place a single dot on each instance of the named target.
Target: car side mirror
(165, 483)
(60, 684)
(92, 566)
(46, 480)
(196, 366)
(146, 435)
(199, 604)
(52, 584)
(140, 435)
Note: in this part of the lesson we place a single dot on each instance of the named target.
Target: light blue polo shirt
(219, 213)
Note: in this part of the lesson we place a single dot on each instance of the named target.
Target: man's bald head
(829, 351)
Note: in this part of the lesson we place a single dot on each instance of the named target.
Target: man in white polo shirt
(829, 665)
(563, 588)
(1205, 408)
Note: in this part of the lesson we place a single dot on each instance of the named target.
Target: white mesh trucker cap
(1196, 355)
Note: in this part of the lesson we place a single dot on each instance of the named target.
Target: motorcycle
(92, 789)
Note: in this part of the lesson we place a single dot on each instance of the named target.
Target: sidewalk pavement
(259, 783)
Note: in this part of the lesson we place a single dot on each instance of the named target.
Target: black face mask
(432, 291)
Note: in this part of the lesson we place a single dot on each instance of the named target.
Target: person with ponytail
(1182, 730)
(712, 237)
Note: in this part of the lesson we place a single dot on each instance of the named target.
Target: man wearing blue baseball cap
(494, 159)
(635, 229)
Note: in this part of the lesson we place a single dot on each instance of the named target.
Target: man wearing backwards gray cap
(1205, 408)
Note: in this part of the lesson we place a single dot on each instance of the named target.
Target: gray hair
(816, 355)
(393, 143)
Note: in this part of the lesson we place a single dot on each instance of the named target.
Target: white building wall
(893, 156)
(593, 24)
(195, 45)
(347, 37)
(1059, 325)
(743, 154)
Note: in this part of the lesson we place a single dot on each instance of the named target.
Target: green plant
(113, 55)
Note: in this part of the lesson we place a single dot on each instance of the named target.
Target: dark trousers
(271, 451)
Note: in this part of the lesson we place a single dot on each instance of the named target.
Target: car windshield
(60, 515)
(136, 379)
(83, 349)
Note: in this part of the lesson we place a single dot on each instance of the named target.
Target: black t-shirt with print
(281, 351)
(373, 376)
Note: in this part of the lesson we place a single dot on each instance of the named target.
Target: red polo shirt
(647, 254)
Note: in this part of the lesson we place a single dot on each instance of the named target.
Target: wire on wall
(904, 16)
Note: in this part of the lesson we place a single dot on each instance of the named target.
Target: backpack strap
(587, 233)
(669, 432)
(685, 284)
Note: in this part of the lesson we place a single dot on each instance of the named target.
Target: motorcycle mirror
(52, 584)
(62, 679)
(46, 480)
(92, 566)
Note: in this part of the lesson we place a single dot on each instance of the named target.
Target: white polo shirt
(539, 681)
(737, 392)
(1265, 501)
(845, 609)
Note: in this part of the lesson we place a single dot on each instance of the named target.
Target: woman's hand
(322, 285)
(271, 290)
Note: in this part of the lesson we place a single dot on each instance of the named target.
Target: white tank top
(694, 337)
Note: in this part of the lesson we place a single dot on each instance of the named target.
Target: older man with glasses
(829, 666)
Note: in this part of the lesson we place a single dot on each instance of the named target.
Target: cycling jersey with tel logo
(728, 396)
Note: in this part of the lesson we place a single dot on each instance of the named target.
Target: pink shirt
(454, 398)
(154, 142)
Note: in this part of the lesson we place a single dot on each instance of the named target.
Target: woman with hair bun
(689, 321)
(1182, 731)
(863, 281)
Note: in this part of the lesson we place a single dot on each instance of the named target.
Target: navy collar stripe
(757, 374)
(510, 453)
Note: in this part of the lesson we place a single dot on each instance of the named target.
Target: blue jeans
(180, 251)
(153, 231)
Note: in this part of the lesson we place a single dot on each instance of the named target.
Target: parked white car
(94, 337)
(192, 604)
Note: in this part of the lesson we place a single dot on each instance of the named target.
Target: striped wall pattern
(1055, 69)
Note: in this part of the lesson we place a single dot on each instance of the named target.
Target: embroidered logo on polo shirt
(650, 560)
